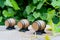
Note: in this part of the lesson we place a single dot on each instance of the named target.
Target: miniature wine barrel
(10, 22)
(24, 23)
(39, 25)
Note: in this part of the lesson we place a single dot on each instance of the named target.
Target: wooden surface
(16, 35)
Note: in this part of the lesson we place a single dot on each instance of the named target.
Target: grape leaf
(31, 18)
(30, 8)
(8, 3)
(40, 4)
(43, 13)
(50, 14)
(2, 3)
(55, 20)
(55, 3)
(36, 14)
(9, 13)
(15, 5)
(35, 1)
(12, 3)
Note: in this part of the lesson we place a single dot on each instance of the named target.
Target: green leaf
(35, 1)
(55, 20)
(31, 18)
(40, 4)
(56, 3)
(2, 3)
(30, 8)
(36, 14)
(5, 13)
(50, 14)
(43, 13)
(12, 3)
(58, 14)
(57, 27)
(43, 17)
(25, 14)
(1, 18)
(9, 13)
(8, 3)
(15, 5)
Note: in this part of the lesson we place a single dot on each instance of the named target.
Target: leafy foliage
(55, 3)
(9, 13)
(47, 10)
(36, 15)
(30, 8)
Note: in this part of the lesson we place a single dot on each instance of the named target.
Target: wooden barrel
(39, 25)
(10, 22)
(24, 23)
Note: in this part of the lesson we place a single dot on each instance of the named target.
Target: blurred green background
(47, 10)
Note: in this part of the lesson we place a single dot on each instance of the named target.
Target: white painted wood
(16, 35)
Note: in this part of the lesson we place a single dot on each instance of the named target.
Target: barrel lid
(7, 23)
(35, 26)
(19, 24)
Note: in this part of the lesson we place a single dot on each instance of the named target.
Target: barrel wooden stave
(24, 23)
(38, 25)
(10, 22)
